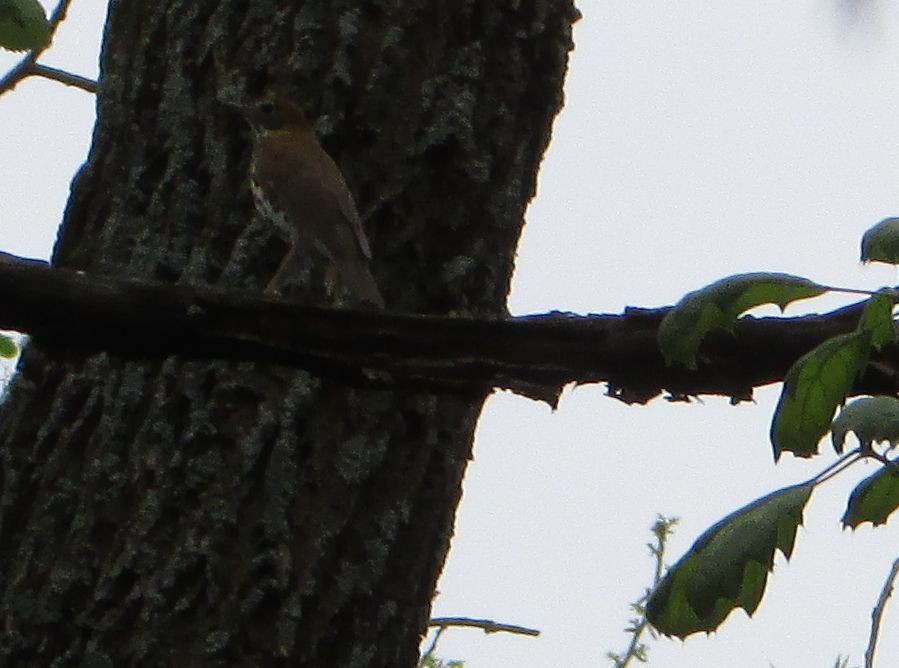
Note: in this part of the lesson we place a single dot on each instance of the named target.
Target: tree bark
(186, 513)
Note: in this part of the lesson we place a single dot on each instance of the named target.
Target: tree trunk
(242, 514)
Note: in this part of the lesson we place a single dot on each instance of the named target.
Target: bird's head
(272, 113)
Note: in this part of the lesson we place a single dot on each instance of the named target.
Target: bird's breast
(268, 210)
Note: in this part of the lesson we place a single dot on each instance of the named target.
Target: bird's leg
(333, 286)
(275, 283)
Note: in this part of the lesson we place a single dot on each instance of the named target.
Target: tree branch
(877, 613)
(535, 355)
(63, 77)
(486, 625)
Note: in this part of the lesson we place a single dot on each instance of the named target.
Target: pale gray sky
(699, 140)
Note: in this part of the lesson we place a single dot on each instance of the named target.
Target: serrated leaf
(877, 318)
(8, 347)
(728, 565)
(717, 306)
(814, 386)
(871, 419)
(881, 242)
(874, 499)
(23, 25)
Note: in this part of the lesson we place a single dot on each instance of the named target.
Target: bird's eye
(266, 107)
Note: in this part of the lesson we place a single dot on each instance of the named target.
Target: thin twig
(16, 74)
(877, 614)
(63, 77)
(28, 66)
(487, 625)
(662, 529)
(431, 648)
(58, 15)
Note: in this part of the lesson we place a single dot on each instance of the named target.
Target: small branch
(636, 650)
(662, 529)
(429, 652)
(57, 16)
(66, 78)
(487, 625)
(29, 66)
(16, 74)
(877, 614)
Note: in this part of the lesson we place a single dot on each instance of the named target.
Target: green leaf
(718, 305)
(8, 347)
(814, 386)
(881, 242)
(877, 318)
(874, 499)
(23, 25)
(871, 419)
(728, 566)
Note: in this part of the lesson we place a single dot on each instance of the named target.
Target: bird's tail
(357, 279)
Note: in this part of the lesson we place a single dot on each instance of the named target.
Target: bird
(298, 187)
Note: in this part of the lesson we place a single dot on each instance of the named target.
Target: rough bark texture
(193, 513)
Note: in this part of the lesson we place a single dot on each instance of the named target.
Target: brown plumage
(298, 187)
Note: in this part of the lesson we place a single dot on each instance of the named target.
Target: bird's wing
(348, 210)
(317, 185)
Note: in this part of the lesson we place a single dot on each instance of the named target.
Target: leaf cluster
(727, 567)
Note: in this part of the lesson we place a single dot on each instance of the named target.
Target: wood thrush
(298, 187)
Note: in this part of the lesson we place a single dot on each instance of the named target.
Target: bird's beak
(230, 98)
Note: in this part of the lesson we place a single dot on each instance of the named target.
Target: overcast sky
(699, 139)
